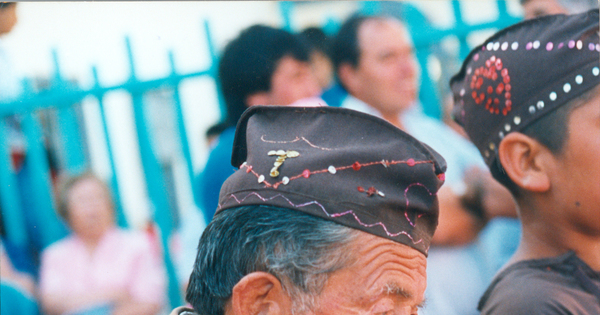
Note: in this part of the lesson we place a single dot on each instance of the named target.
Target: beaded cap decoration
(524, 72)
(339, 165)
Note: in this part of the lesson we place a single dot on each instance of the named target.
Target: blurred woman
(99, 268)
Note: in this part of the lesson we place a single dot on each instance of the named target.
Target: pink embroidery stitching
(335, 215)
(262, 138)
(408, 202)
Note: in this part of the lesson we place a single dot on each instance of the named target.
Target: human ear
(260, 293)
(525, 161)
(258, 98)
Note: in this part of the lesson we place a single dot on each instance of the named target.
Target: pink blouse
(122, 260)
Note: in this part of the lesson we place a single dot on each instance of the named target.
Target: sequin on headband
(524, 72)
(340, 165)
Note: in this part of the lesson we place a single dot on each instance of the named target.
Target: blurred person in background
(17, 295)
(262, 66)
(99, 268)
(322, 65)
(375, 62)
(213, 132)
(536, 8)
(320, 62)
(23, 257)
(192, 223)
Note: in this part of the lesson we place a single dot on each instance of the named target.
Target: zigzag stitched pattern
(335, 215)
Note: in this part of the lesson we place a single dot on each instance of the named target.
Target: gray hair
(299, 249)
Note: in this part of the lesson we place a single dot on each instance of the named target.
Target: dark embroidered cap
(524, 72)
(339, 165)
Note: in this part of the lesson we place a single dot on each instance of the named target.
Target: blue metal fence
(64, 98)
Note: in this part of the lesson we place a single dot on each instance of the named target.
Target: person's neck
(394, 119)
(545, 238)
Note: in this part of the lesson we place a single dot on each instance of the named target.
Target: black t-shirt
(559, 285)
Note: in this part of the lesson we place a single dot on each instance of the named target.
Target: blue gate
(62, 102)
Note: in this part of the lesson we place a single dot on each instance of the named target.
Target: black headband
(524, 72)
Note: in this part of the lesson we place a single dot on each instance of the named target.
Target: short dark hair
(248, 63)
(217, 129)
(551, 131)
(345, 48)
(6, 4)
(316, 39)
(299, 249)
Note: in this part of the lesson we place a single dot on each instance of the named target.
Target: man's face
(576, 169)
(536, 8)
(292, 80)
(387, 74)
(386, 278)
(90, 209)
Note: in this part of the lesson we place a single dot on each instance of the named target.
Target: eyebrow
(393, 288)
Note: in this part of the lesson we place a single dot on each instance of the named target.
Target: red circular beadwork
(487, 76)
(500, 88)
(306, 173)
(360, 189)
(410, 162)
(356, 166)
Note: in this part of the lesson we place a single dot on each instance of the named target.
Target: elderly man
(331, 212)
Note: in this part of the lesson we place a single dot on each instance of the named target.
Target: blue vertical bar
(185, 147)
(285, 8)
(214, 69)
(47, 223)
(461, 26)
(370, 7)
(71, 141)
(69, 127)
(420, 27)
(114, 180)
(155, 182)
(502, 10)
(14, 221)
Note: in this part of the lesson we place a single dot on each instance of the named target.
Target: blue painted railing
(64, 97)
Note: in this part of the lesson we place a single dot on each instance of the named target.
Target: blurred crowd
(369, 65)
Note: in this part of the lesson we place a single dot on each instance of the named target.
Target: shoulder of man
(532, 289)
(217, 169)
